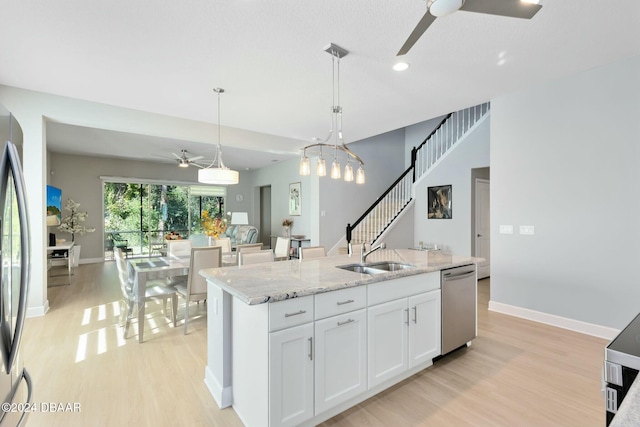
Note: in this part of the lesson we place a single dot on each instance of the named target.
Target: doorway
(265, 216)
(483, 228)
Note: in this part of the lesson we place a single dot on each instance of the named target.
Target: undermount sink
(390, 266)
(375, 267)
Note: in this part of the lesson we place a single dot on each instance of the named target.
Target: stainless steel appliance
(459, 307)
(15, 383)
(621, 366)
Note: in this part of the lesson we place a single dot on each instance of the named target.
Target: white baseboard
(38, 311)
(91, 260)
(222, 395)
(553, 320)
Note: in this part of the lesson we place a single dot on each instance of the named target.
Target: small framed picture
(439, 202)
(294, 199)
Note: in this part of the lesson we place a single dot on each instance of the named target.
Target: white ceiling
(166, 56)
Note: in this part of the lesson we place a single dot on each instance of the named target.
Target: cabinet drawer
(342, 301)
(290, 312)
(403, 287)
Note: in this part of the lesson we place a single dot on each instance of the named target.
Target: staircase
(373, 224)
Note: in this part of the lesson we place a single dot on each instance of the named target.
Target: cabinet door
(387, 340)
(424, 327)
(341, 359)
(291, 375)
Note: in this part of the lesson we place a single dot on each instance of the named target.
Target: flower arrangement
(213, 226)
(73, 223)
(287, 223)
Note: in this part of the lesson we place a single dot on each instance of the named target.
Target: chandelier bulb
(335, 169)
(348, 172)
(360, 175)
(304, 169)
(321, 167)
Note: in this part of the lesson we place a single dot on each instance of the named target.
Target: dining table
(159, 267)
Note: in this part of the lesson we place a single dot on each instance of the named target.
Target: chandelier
(338, 146)
(217, 172)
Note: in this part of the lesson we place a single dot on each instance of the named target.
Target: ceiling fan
(184, 161)
(525, 9)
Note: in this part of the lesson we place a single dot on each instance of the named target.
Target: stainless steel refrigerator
(15, 383)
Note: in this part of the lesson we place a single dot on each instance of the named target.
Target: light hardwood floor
(516, 373)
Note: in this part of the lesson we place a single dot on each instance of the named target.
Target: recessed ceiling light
(400, 66)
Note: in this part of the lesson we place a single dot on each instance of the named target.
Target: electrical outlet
(506, 229)
(527, 230)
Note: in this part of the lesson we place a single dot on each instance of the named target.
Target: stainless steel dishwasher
(459, 307)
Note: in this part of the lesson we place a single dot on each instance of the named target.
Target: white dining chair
(155, 290)
(223, 242)
(179, 248)
(249, 247)
(248, 258)
(281, 251)
(312, 252)
(195, 287)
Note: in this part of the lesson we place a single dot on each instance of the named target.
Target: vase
(286, 232)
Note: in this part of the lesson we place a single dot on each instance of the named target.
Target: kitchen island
(295, 343)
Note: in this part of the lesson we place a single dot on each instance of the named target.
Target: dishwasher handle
(456, 276)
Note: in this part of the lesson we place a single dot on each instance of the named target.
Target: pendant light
(338, 146)
(217, 173)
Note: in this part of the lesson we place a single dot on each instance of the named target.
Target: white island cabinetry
(341, 347)
(295, 343)
(302, 360)
(403, 333)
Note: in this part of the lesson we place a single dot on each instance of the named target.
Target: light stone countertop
(277, 281)
(629, 412)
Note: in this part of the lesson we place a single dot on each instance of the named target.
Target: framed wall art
(294, 199)
(439, 202)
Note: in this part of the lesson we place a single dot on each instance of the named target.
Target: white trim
(38, 311)
(460, 140)
(222, 395)
(553, 320)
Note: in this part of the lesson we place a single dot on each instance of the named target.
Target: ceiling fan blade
(417, 32)
(193, 159)
(510, 8)
(176, 156)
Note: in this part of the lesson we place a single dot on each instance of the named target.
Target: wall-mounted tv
(54, 205)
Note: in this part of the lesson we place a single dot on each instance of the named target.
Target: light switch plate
(527, 230)
(506, 229)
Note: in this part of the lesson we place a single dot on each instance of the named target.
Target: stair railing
(381, 214)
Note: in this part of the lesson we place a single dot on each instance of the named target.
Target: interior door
(483, 229)
(265, 216)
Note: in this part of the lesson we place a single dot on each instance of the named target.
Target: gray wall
(79, 179)
(344, 202)
(455, 169)
(327, 205)
(564, 158)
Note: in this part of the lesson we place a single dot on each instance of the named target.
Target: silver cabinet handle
(349, 301)
(415, 314)
(406, 310)
(295, 314)
(311, 348)
(346, 322)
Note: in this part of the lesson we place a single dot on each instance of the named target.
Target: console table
(296, 244)
(68, 258)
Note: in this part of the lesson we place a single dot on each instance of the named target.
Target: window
(139, 215)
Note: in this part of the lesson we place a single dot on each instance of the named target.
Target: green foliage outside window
(143, 213)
